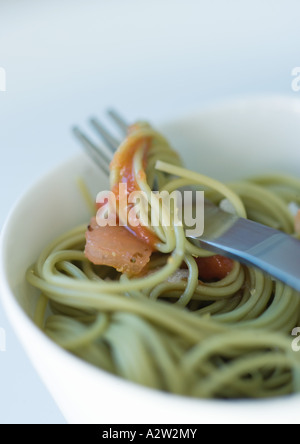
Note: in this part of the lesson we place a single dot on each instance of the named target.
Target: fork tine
(92, 150)
(102, 155)
(108, 138)
(120, 121)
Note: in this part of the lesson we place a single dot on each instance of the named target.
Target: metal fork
(98, 153)
(254, 244)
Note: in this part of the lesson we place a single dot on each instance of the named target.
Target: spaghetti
(188, 322)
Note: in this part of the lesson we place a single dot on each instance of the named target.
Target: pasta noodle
(227, 337)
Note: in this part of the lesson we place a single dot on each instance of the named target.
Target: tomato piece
(123, 163)
(214, 268)
(116, 247)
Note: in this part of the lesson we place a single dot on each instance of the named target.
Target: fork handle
(254, 244)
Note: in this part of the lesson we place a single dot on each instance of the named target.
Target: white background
(155, 59)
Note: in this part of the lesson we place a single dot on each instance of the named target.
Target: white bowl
(227, 141)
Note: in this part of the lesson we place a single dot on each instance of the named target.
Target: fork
(254, 244)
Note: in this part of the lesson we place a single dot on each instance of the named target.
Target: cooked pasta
(182, 321)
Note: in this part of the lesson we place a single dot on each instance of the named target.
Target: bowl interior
(240, 138)
(228, 141)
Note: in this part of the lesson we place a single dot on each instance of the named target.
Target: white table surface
(151, 59)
